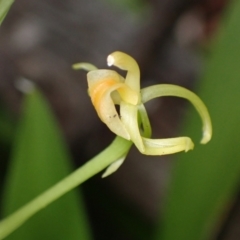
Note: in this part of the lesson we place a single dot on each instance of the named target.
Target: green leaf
(205, 179)
(39, 160)
(4, 8)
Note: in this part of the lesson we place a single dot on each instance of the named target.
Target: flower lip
(100, 75)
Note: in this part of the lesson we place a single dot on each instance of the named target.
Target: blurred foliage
(6, 126)
(4, 8)
(39, 160)
(135, 6)
(205, 179)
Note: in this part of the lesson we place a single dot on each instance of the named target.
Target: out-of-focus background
(170, 39)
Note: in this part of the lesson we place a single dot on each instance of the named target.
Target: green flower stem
(113, 152)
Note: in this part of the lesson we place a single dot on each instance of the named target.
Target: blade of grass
(206, 178)
(39, 160)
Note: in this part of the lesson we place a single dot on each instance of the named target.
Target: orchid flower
(108, 88)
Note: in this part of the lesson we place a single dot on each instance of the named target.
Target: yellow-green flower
(108, 88)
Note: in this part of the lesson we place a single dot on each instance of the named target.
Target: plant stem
(112, 153)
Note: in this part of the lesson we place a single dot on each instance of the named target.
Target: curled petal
(167, 146)
(161, 90)
(146, 145)
(127, 63)
(100, 75)
(101, 84)
(100, 80)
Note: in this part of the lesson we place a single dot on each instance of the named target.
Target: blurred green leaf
(4, 8)
(39, 160)
(205, 179)
(6, 126)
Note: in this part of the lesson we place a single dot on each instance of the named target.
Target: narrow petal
(127, 63)
(161, 90)
(167, 146)
(85, 66)
(129, 118)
